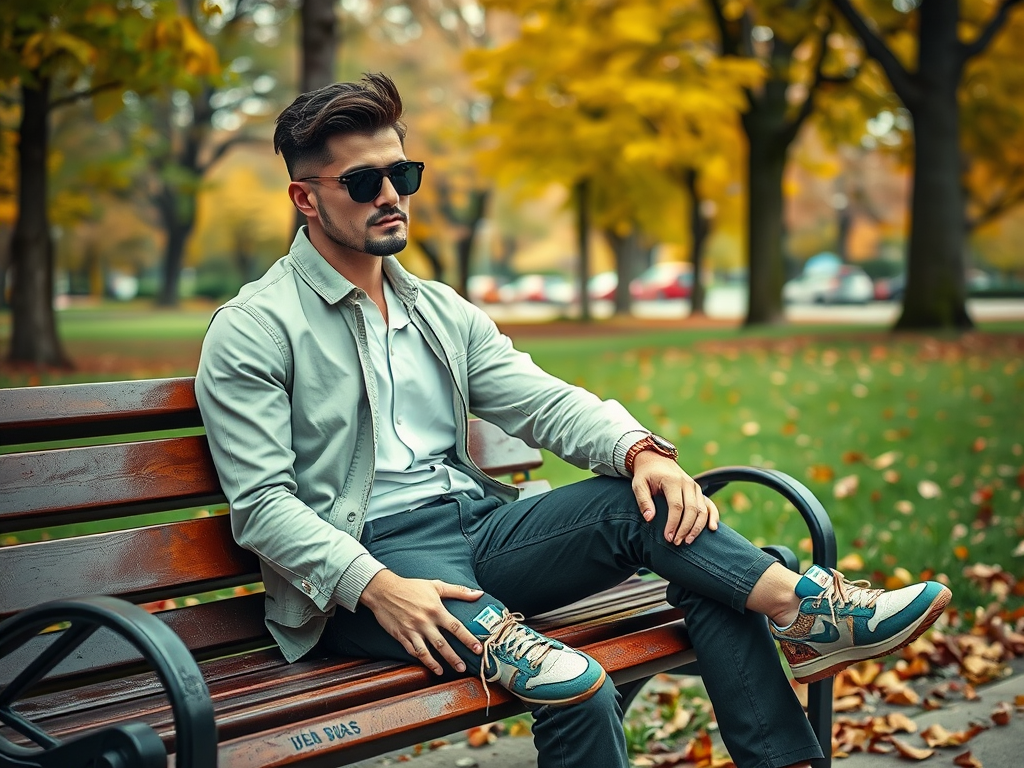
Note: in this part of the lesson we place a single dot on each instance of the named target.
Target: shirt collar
(331, 286)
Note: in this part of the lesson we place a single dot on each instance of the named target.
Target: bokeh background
(785, 234)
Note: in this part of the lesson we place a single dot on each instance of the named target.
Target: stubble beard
(385, 245)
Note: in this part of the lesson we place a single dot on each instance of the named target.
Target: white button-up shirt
(417, 423)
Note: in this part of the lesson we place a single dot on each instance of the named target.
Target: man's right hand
(411, 611)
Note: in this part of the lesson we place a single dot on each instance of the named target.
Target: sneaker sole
(809, 672)
(565, 702)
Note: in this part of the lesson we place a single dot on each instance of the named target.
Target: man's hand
(411, 611)
(689, 512)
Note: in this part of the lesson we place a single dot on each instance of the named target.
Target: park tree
(924, 57)
(615, 101)
(992, 128)
(804, 56)
(56, 53)
(193, 130)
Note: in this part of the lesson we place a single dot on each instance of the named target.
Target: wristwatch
(652, 443)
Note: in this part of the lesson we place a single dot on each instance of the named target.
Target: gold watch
(652, 443)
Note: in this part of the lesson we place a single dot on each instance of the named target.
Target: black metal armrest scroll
(133, 744)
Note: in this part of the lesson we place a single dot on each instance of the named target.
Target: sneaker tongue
(484, 622)
(813, 582)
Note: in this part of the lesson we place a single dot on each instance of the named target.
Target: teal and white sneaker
(535, 668)
(842, 622)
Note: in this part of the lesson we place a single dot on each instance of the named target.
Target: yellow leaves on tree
(110, 47)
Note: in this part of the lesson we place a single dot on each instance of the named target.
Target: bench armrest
(823, 537)
(823, 541)
(195, 730)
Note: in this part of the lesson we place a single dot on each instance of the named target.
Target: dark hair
(308, 122)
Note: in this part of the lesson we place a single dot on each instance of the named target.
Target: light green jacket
(290, 408)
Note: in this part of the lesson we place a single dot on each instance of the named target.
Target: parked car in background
(667, 280)
(890, 288)
(601, 287)
(549, 289)
(846, 285)
(483, 289)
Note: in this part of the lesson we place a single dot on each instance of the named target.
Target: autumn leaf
(1001, 714)
(821, 473)
(929, 489)
(885, 460)
(967, 760)
(846, 487)
(909, 752)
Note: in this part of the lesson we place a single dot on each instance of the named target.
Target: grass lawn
(913, 444)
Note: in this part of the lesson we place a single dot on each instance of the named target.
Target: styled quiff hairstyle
(308, 122)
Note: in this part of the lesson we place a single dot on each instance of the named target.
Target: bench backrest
(92, 459)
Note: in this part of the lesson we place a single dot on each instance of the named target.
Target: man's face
(379, 227)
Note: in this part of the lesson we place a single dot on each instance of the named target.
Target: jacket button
(307, 587)
(351, 517)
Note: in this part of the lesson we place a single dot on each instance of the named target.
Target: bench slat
(141, 564)
(105, 481)
(35, 414)
(263, 692)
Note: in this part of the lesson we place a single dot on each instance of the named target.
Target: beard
(385, 245)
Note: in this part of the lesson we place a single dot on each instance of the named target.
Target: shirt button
(398, 421)
(351, 517)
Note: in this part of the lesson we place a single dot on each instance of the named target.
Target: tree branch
(981, 42)
(902, 81)
(793, 128)
(222, 149)
(71, 98)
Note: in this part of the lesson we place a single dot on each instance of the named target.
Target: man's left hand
(689, 511)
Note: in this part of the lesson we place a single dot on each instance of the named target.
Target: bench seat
(180, 645)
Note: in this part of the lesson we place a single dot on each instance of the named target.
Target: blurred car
(601, 287)
(890, 288)
(846, 285)
(667, 280)
(483, 289)
(550, 289)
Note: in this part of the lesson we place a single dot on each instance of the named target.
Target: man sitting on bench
(336, 390)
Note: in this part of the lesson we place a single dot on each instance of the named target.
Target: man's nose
(388, 195)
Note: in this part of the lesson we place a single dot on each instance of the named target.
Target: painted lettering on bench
(306, 739)
(341, 730)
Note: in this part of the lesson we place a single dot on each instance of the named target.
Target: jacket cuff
(355, 578)
(622, 447)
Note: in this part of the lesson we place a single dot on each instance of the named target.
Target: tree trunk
(33, 322)
(935, 296)
(433, 255)
(766, 162)
(630, 260)
(700, 228)
(318, 46)
(464, 245)
(178, 215)
(583, 239)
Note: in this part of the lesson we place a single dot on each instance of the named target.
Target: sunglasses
(364, 185)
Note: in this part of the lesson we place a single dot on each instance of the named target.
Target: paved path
(998, 747)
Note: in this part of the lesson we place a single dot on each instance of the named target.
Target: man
(336, 390)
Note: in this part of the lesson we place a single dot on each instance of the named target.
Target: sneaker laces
(516, 640)
(845, 592)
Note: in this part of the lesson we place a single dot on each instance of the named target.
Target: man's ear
(303, 199)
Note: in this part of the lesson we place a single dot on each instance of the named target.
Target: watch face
(661, 442)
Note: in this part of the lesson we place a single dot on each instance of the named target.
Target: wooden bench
(86, 673)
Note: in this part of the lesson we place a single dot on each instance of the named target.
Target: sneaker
(842, 622)
(535, 668)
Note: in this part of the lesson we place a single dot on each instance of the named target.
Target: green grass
(821, 404)
(823, 407)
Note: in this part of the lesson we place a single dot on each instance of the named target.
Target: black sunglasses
(365, 184)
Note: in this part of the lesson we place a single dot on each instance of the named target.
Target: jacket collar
(331, 286)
